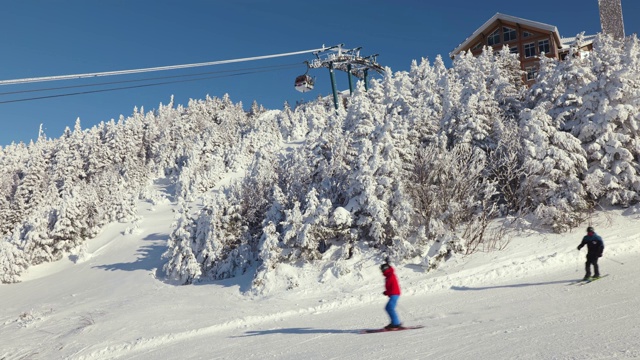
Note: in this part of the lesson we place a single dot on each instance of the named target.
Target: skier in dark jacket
(392, 290)
(595, 247)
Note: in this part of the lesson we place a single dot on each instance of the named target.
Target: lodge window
(513, 49)
(543, 46)
(529, 50)
(478, 46)
(526, 34)
(508, 34)
(494, 38)
(532, 71)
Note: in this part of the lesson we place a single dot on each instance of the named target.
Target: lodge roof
(512, 19)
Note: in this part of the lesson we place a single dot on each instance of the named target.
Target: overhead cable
(129, 87)
(274, 67)
(160, 68)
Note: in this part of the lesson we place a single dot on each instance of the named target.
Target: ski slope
(514, 304)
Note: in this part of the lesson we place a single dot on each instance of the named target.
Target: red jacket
(391, 284)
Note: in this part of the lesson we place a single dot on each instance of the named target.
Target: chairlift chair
(304, 82)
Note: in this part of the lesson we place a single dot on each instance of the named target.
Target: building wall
(528, 44)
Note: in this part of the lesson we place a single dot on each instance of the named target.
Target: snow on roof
(509, 18)
(567, 42)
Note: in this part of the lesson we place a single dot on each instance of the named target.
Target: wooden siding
(537, 35)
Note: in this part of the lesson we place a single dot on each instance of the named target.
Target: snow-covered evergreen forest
(426, 164)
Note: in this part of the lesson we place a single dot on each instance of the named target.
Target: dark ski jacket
(594, 243)
(391, 283)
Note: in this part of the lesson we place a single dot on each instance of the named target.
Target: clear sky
(63, 37)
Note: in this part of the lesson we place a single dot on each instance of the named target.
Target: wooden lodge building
(529, 39)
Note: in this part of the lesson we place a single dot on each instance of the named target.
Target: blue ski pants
(391, 309)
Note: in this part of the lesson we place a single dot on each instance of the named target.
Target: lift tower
(338, 58)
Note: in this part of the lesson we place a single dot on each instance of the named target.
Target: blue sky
(63, 37)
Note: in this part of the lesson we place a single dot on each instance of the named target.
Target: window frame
(527, 46)
(532, 72)
(548, 46)
(513, 34)
(492, 37)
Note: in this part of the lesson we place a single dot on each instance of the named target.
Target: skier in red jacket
(392, 290)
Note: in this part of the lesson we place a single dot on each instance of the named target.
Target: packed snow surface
(518, 303)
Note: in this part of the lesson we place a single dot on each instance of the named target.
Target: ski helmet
(590, 229)
(384, 267)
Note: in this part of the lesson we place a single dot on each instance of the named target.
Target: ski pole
(616, 261)
(578, 261)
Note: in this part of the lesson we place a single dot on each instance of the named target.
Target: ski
(585, 282)
(372, 331)
(577, 282)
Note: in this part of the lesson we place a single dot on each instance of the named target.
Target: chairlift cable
(159, 68)
(128, 87)
(277, 67)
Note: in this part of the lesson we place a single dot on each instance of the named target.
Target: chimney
(611, 18)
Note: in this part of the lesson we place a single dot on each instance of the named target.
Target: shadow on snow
(300, 331)
(149, 257)
(468, 288)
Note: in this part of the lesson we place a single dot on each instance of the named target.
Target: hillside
(512, 304)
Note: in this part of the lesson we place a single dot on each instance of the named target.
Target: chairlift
(304, 82)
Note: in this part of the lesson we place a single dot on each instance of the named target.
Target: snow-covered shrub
(12, 262)
(452, 197)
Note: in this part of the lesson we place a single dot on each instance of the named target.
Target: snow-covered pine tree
(67, 163)
(206, 250)
(402, 134)
(69, 223)
(327, 160)
(574, 75)
(608, 125)
(504, 78)
(305, 229)
(451, 108)
(12, 262)
(291, 226)
(182, 265)
(36, 240)
(363, 118)
(426, 109)
(288, 126)
(317, 118)
(548, 86)
(270, 245)
(256, 188)
(553, 162)
(256, 109)
(378, 200)
(227, 250)
(6, 190)
(269, 255)
(478, 119)
(31, 187)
